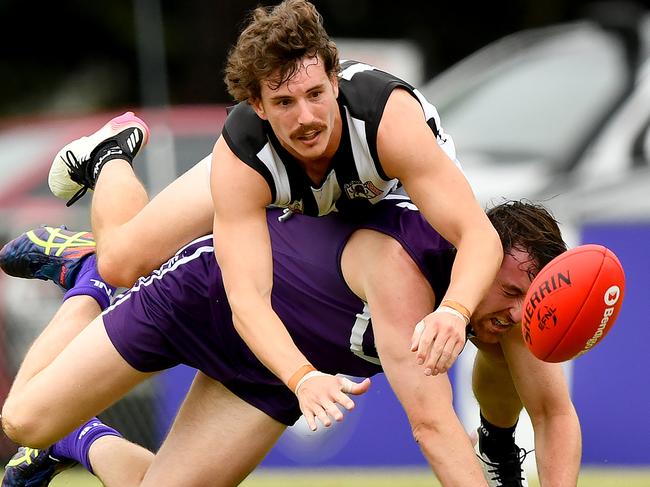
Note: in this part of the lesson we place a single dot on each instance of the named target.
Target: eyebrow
(319, 86)
(513, 289)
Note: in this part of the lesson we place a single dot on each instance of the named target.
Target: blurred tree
(77, 56)
(70, 55)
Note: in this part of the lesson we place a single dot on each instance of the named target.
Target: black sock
(109, 150)
(496, 442)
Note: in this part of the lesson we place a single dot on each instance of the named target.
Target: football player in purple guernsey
(348, 293)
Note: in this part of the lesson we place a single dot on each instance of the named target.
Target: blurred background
(545, 100)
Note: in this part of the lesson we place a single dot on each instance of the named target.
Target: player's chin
(311, 151)
(490, 331)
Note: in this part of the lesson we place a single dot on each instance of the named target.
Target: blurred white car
(561, 115)
(558, 111)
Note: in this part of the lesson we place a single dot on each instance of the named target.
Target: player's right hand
(319, 395)
(437, 341)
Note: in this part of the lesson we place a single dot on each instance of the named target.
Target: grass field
(375, 478)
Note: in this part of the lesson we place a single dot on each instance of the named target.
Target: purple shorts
(180, 314)
(153, 332)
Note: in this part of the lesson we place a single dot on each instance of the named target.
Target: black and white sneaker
(76, 167)
(505, 471)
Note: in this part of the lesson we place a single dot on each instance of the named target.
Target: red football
(572, 303)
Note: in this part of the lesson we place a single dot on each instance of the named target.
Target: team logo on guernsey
(357, 189)
(296, 206)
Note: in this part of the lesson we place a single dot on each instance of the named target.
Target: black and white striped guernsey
(355, 179)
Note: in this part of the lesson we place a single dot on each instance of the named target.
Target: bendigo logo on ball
(611, 297)
(557, 281)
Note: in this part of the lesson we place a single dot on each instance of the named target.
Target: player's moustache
(307, 129)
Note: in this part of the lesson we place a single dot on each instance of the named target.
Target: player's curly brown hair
(530, 227)
(274, 40)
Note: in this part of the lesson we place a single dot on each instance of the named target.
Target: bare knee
(426, 431)
(23, 427)
(118, 267)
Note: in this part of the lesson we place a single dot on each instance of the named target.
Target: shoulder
(364, 89)
(244, 130)
(231, 181)
(355, 72)
(407, 235)
(376, 264)
(245, 137)
(397, 217)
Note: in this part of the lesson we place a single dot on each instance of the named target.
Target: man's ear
(256, 103)
(335, 85)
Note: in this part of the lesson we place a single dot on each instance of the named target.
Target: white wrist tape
(306, 377)
(346, 385)
(451, 311)
(419, 327)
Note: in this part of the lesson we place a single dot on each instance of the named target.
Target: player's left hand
(319, 395)
(438, 340)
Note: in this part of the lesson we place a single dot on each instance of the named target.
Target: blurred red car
(180, 136)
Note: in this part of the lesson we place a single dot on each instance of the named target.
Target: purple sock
(76, 445)
(90, 283)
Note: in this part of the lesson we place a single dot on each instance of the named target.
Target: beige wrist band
(298, 375)
(458, 307)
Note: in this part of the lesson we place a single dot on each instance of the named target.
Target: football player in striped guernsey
(309, 134)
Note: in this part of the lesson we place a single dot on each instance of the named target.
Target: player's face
(500, 310)
(303, 112)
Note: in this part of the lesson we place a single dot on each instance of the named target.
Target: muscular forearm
(558, 447)
(243, 250)
(265, 334)
(475, 266)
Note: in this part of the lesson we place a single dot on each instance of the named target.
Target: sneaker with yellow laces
(47, 253)
(30, 467)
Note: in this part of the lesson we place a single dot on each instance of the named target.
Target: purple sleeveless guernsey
(180, 315)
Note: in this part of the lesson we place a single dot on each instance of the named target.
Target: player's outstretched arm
(408, 150)
(545, 395)
(243, 251)
(378, 270)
